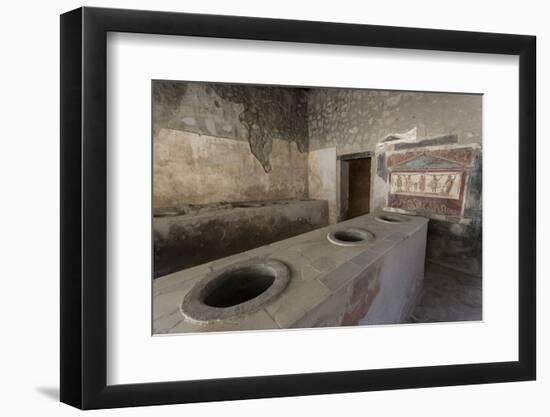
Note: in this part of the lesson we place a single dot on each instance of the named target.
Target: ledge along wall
(383, 122)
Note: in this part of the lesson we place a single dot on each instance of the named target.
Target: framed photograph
(260, 208)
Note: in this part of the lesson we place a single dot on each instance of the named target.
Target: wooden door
(359, 187)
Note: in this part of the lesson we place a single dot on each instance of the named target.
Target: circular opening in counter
(237, 286)
(351, 236)
(387, 218)
(236, 290)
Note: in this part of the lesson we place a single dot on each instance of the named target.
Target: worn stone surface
(259, 320)
(364, 291)
(297, 302)
(169, 294)
(187, 240)
(400, 283)
(342, 275)
(448, 295)
(382, 246)
(329, 313)
(340, 292)
(365, 258)
(458, 246)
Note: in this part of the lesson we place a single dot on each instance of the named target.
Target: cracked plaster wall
(253, 147)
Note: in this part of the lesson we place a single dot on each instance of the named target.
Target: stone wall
(355, 121)
(193, 169)
(227, 143)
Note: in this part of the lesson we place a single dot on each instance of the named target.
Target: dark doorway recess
(355, 185)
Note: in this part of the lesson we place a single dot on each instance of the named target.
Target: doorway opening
(355, 173)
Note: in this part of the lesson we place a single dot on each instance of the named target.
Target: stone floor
(448, 296)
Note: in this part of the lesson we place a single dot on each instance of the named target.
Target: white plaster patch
(322, 178)
(189, 121)
(393, 138)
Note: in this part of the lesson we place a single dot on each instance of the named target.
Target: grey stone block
(366, 259)
(297, 302)
(326, 263)
(397, 237)
(341, 276)
(382, 246)
(260, 320)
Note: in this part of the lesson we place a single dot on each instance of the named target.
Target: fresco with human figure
(428, 184)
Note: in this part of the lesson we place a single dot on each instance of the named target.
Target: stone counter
(330, 285)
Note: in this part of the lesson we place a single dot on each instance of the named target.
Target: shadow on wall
(456, 246)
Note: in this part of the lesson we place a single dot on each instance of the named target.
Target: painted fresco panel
(429, 181)
(436, 184)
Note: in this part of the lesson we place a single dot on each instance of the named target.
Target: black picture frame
(84, 207)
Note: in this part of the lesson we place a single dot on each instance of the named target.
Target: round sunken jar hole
(350, 237)
(235, 291)
(389, 219)
(238, 286)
